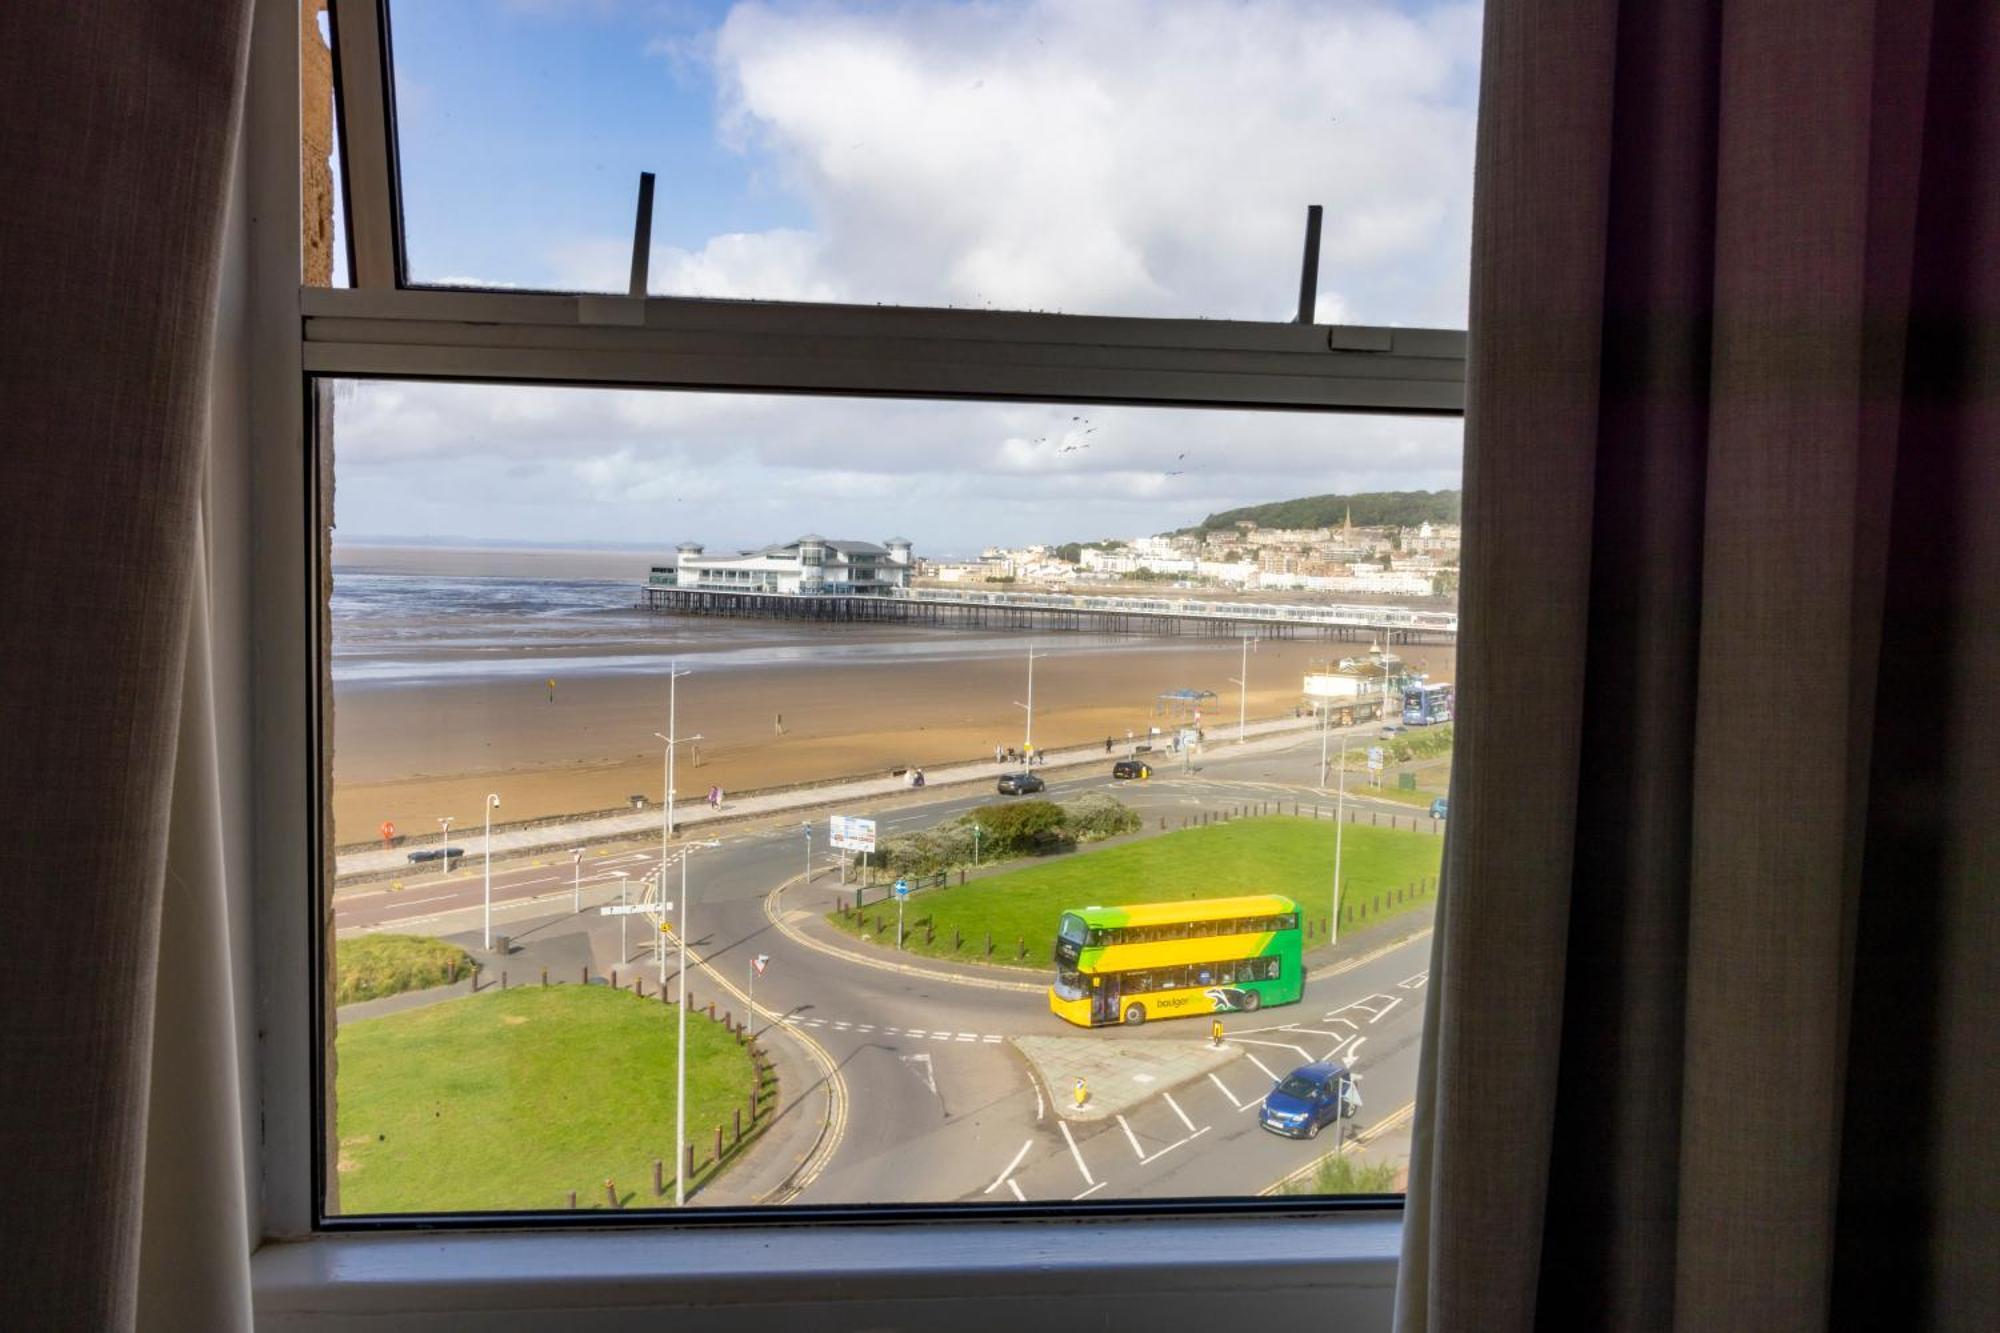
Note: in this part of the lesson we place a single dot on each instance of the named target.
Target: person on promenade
(999, 754)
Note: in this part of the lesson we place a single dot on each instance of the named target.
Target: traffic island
(1116, 1073)
(537, 1097)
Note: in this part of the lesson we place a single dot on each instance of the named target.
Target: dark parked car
(1019, 784)
(1309, 1098)
(437, 854)
(1131, 768)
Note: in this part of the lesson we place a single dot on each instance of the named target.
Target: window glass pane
(1140, 157)
(518, 573)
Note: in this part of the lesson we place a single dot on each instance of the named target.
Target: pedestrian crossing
(891, 1030)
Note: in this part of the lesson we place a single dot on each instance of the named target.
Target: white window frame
(1334, 1268)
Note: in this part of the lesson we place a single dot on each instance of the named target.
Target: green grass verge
(367, 967)
(510, 1099)
(1343, 1174)
(1273, 854)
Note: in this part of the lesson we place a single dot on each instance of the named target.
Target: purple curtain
(1710, 1035)
(119, 126)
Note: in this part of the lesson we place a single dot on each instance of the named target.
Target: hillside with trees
(1371, 509)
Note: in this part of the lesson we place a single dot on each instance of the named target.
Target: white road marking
(1304, 1054)
(992, 1037)
(1344, 1022)
(1070, 1139)
(1087, 1193)
(915, 1032)
(1384, 1012)
(864, 1027)
(1416, 982)
(1039, 1106)
(1015, 1186)
(1355, 1049)
(1251, 1056)
(1168, 1097)
(1144, 1161)
(1131, 1138)
(1225, 1092)
(968, 1036)
(1001, 1179)
(841, 1025)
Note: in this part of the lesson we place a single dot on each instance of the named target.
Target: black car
(436, 854)
(1019, 784)
(1131, 768)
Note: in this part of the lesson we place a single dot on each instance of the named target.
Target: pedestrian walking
(999, 754)
(1107, 745)
(718, 798)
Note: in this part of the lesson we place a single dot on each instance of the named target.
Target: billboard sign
(851, 834)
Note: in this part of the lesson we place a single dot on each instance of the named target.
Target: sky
(1133, 157)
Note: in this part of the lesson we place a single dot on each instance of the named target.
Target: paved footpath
(695, 814)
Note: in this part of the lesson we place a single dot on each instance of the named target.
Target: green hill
(1404, 509)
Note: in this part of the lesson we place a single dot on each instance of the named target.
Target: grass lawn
(367, 967)
(1338, 1173)
(1273, 854)
(510, 1099)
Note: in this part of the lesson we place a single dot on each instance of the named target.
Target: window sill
(1332, 1271)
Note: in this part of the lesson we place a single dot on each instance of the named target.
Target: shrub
(1342, 1174)
(367, 967)
(1095, 816)
(1019, 828)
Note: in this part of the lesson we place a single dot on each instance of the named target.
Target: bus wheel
(1135, 1014)
(1251, 1001)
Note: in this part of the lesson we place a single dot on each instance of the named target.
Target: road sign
(902, 888)
(627, 909)
(760, 962)
(1374, 759)
(851, 834)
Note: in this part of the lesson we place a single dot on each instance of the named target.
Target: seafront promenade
(691, 813)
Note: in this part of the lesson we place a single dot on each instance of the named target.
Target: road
(938, 1105)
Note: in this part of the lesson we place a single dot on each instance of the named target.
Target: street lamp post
(672, 740)
(444, 842)
(492, 804)
(623, 875)
(807, 826)
(576, 887)
(1028, 734)
(1339, 832)
(1242, 684)
(681, 1039)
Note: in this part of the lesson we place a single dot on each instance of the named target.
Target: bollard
(989, 944)
(711, 1008)
(639, 987)
(739, 1124)
(727, 1022)
(545, 978)
(1020, 947)
(1215, 1032)
(753, 1105)
(930, 933)
(956, 939)
(659, 1178)
(718, 1143)
(687, 1168)
(454, 972)
(572, 1198)
(614, 978)
(586, 975)
(610, 1193)
(1081, 1093)
(961, 876)
(503, 979)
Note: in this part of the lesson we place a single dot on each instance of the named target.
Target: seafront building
(808, 566)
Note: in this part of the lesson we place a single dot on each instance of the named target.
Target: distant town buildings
(1419, 561)
(809, 565)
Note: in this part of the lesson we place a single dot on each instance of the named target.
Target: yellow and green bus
(1174, 960)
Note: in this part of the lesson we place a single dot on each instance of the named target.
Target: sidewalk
(694, 815)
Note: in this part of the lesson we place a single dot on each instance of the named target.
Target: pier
(1097, 614)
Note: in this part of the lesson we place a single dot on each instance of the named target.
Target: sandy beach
(438, 703)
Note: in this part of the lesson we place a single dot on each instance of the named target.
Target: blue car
(1308, 1099)
(1438, 808)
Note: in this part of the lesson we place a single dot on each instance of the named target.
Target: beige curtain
(119, 122)
(1711, 1035)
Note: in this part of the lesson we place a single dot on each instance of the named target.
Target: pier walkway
(1090, 613)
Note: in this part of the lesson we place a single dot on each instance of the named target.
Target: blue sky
(1149, 157)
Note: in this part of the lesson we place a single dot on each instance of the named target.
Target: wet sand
(411, 752)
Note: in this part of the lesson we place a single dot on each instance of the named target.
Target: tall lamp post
(671, 739)
(681, 1038)
(807, 826)
(1339, 832)
(1028, 735)
(444, 842)
(1242, 684)
(576, 887)
(623, 954)
(492, 804)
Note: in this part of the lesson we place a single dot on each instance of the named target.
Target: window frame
(380, 327)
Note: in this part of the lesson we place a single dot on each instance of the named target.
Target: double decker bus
(1427, 703)
(1174, 960)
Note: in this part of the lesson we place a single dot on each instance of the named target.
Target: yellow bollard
(1215, 1032)
(1082, 1094)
